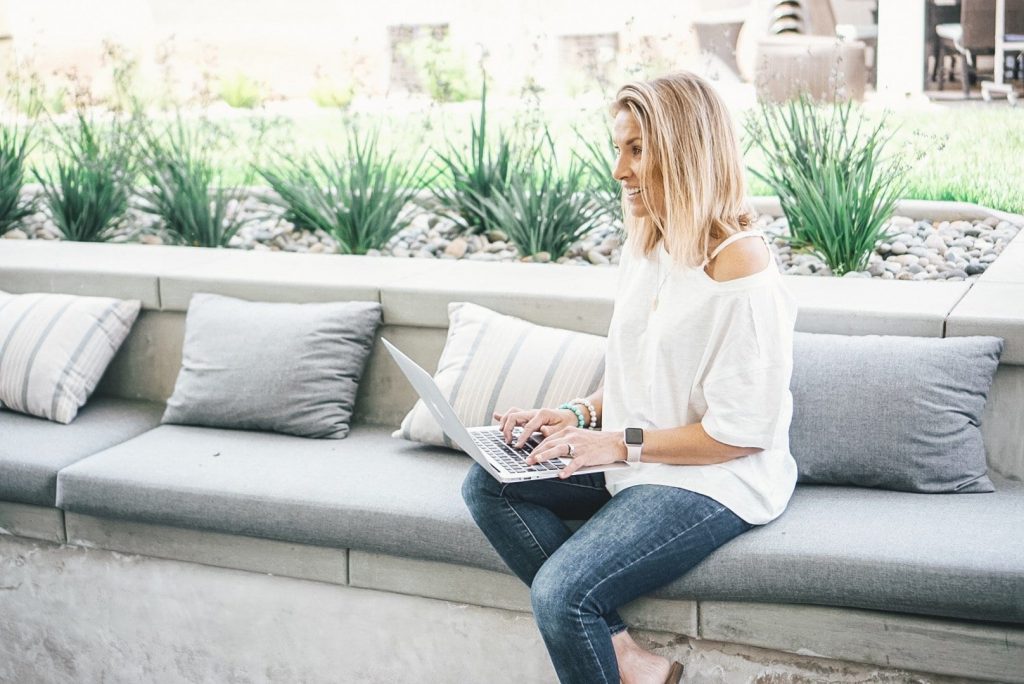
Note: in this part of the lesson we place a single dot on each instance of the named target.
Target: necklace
(654, 305)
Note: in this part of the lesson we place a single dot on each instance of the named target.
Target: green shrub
(87, 188)
(475, 174)
(836, 187)
(15, 145)
(596, 160)
(186, 187)
(545, 210)
(359, 199)
(443, 70)
(328, 94)
(241, 92)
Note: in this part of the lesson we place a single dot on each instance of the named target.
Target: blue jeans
(641, 539)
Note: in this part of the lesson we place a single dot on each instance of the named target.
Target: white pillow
(492, 362)
(55, 347)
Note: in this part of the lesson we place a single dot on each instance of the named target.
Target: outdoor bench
(135, 551)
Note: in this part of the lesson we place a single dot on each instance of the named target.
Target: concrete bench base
(73, 613)
(34, 522)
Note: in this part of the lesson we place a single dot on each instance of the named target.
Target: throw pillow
(892, 412)
(491, 362)
(54, 349)
(290, 368)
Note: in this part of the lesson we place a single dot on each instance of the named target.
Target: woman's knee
(554, 595)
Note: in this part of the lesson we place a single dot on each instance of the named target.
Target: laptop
(486, 445)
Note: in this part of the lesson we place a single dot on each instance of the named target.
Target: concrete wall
(78, 614)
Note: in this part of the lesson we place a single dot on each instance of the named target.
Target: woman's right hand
(545, 421)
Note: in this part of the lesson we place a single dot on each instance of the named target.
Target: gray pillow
(892, 412)
(291, 368)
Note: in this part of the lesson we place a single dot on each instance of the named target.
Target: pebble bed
(914, 249)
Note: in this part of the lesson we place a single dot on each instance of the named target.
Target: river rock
(457, 248)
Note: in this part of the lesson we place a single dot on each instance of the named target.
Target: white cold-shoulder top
(715, 352)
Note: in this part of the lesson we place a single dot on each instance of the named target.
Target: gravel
(912, 250)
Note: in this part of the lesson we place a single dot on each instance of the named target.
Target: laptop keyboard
(512, 459)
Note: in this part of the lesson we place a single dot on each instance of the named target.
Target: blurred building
(292, 46)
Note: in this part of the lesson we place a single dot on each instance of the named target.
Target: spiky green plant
(186, 188)
(362, 199)
(15, 145)
(836, 186)
(545, 210)
(473, 175)
(596, 161)
(87, 188)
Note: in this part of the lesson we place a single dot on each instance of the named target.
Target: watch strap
(633, 451)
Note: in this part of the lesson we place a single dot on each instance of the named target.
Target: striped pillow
(491, 362)
(55, 347)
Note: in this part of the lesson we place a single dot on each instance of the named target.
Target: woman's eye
(636, 150)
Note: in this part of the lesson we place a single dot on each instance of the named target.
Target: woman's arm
(686, 445)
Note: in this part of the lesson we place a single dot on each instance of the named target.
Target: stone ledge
(980, 650)
(935, 210)
(992, 308)
(574, 297)
(463, 584)
(951, 647)
(415, 292)
(268, 556)
(1009, 267)
(34, 522)
(282, 276)
(925, 644)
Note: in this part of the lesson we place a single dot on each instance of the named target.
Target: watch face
(634, 436)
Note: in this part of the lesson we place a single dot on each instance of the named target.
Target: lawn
(972, 153)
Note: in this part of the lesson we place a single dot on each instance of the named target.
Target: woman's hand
(590, 448)
(545, 421)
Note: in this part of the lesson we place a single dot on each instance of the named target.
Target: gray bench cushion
(367, 491)
(32, 449)
(954, 555)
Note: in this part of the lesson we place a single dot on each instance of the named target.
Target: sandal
(674, 674)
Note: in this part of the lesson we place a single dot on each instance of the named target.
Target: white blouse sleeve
(746, 382)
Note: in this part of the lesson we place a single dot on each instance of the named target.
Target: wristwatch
(634, 444)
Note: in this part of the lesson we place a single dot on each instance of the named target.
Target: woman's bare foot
(637, 666)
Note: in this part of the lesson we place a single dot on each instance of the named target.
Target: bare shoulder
(740, 258)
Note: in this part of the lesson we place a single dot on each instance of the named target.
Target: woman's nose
(620, 171)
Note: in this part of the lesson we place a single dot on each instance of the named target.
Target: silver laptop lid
(431, 395)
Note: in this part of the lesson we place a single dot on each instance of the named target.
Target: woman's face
(626, 169)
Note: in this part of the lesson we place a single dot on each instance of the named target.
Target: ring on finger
(572, 451)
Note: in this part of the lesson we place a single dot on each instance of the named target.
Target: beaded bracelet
(590, 407)
(580, 420)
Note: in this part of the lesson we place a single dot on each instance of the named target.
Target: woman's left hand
(590, 448)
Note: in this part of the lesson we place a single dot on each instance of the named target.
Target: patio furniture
(939, 13)
(975, 36)
(867, 34)
(1009, 36)
(131, 551)
(826, 69)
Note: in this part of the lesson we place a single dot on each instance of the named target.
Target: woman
(699, 358)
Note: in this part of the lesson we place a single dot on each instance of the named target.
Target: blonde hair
(687, 134)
